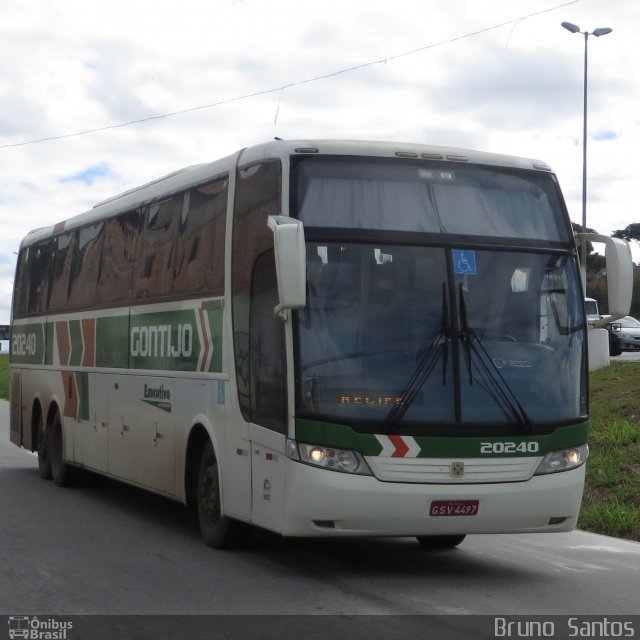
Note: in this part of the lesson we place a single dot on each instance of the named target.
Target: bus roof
(197, 174)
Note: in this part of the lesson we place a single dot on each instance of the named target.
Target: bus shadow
(108, 496)
(321, 557)
(379, 557)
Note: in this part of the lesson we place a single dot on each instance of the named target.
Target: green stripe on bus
(344, 436)
(215, 326)
(28, 343)
(176, 340)
(164, 341)
(112, 342)
(49, 332)
(75, 340)
(180, 340)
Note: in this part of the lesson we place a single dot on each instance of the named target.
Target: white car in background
(629, 333)
(591, 310)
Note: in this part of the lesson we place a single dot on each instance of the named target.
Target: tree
(630, 232)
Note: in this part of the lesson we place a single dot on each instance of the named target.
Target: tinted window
(170, 248)
(85, 266)
(199, 263)
(257, 196)
(434, 197)
(155, 260)
(34, 267)
(61, 266)
(268, 380)
(436, 339)
(117, 259)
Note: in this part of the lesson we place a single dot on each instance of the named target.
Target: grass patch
(611, 519)
(611, 503)
(4, 376)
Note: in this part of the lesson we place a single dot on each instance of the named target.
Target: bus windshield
(409, 331)
(427, 337)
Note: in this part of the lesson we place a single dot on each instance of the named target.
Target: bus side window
(117, 258)
(85, 266)
(199, 264)
(34, 276)
(155, 258)
(257, 196)
(41, 278)
(19, 303)
(268, 376)
(61, 267)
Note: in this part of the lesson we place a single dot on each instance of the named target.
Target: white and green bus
(320, 338)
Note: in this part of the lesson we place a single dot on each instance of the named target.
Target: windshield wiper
(489, 377)
(439, 348)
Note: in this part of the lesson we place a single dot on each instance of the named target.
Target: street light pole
(602, 31)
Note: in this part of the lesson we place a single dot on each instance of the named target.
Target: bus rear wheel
(61, 472)
(218, 531)
(43, 444)
(440, 542)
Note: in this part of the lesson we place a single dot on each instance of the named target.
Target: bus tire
(61, 472)
(43, 445)
(440, 542)
(218, 531)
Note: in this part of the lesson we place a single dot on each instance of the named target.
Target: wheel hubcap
(209, 494)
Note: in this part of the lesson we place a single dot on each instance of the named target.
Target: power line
(298, 83)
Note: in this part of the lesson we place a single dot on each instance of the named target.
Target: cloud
(510, 89)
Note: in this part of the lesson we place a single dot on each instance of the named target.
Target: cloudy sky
(494, 75)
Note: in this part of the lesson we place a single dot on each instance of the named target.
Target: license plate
(454, 508)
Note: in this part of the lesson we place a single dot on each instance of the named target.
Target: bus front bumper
(319, 502)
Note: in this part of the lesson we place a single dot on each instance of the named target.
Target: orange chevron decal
(89, 342)
(205, 357)
(64, 344)
(398, 446)
(70, 394)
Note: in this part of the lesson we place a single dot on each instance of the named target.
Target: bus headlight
(563, 460)
(344, 460)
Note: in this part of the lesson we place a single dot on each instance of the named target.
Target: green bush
(611, 503)
(4, 376)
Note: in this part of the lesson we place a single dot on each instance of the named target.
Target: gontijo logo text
(162, 340)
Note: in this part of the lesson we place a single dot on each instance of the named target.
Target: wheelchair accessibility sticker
(464, 262)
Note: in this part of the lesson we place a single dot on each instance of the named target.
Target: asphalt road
(105, 548)
(627, 356)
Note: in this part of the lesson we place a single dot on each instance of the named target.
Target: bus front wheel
(218, 531)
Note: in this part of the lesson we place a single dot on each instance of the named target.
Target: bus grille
(451, 471)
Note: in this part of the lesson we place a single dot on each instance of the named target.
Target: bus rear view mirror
(291, 265)
(619, 275)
